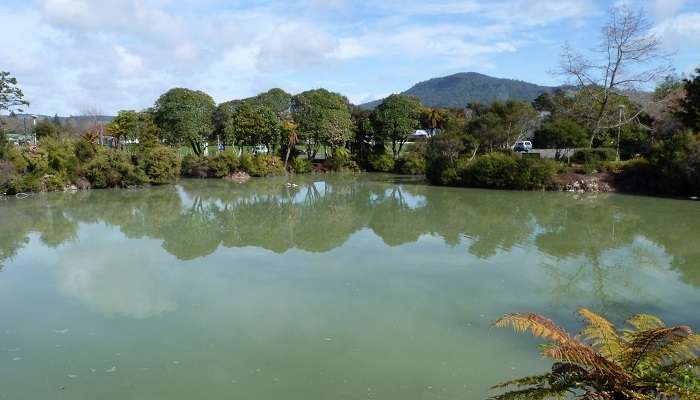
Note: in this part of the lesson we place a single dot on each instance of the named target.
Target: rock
(238, 177)
(83, 184)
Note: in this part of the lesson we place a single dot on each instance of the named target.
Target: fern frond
(643, 322)
(656, 345)
(526, 381)
(601, 334)
(583, 355)
(535, 323)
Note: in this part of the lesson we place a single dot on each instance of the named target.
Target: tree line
(648, 141)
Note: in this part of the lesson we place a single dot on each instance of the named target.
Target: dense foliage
(647, 360)
(186, 117)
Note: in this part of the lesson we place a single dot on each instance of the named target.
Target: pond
(341, 287)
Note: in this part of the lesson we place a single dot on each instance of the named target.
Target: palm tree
(646, 361)
(434, 116)
(292, 139)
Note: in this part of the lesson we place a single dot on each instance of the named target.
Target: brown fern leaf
(577, 353)
(654, 345)
(535, 323)
(601, 334)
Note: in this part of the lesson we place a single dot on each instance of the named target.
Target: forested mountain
(458, 90)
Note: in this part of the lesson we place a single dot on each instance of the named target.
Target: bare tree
(628, 56)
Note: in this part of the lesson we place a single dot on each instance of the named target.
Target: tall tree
(254, 124)
(323, 118)
(690, 105)
(11, 97)
(186, 117)
(629, 55)
(396, 119)
(561, 133)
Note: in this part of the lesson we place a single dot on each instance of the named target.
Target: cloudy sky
(73, 55)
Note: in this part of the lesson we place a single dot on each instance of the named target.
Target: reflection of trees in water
(196, 217)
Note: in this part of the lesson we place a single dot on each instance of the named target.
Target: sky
(105, 55)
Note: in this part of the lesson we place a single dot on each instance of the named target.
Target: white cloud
(681, 30)
(127, 62)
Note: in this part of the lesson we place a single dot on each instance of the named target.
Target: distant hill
(21, 123)
(458, 90)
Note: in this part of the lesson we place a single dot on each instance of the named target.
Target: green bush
(195, 166)
(301, 165)
(85, 149)
(504, 171)
(594, 156)
(411, 164)
(673, 168)
(161, 165)
(222, 164)
(247, 162)
(341, 161)
(264, 165)
(113, 168)
(61, 157)
(493, 170)
(382, 163)
(535, 174)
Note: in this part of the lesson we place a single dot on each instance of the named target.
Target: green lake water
(366, 287)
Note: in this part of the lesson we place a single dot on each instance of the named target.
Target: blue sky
(74, 55)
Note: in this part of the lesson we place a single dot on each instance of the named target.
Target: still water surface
(341, 288)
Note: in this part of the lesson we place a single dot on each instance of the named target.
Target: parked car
(524, 146)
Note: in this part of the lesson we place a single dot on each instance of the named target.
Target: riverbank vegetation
(645, 360)
(597, 126)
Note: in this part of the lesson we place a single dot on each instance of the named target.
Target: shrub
(301, 165)
(341, 161)
(112, 168)
(493, 170)
(382, 162)
(161, 165)
(594, 156)
(194, 166)
(504, 171)
(61, 157)
(85, 149)
(411, 164)
(535, 174)
(264, 165)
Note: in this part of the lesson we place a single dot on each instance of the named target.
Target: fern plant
(644, 361)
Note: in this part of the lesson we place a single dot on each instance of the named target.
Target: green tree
(323, 118)
(646, 361)
(561, 133)
(690, 105)
(124, 126)
(186, 117)
(255, 124)
(11, 97)
(396, 119)
(223, 121)
(278, 100)
(46, 128)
